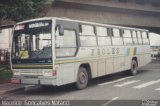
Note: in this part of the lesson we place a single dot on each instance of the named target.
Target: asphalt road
(109, 89)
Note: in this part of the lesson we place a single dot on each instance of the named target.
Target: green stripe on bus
(128, 51)
(32, 67)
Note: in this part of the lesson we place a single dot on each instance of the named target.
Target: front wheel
(82, 78)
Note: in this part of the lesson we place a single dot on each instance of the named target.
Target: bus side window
(134, 35)
(144, 35)
(139, 37)
(111, 32)
(69, 46)
(121, 32)
(103, 36)
(147, 35)
(87, 36)
(127, 37)
(116, 32)
(116, 38)
(87, 30)
(145, 38)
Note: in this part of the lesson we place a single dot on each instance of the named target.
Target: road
(144, 86)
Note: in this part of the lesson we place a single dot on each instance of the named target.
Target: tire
(82, 78)
(134, 66)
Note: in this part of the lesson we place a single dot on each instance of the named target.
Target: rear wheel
(134, 66)
(82, 78)
(133, 70)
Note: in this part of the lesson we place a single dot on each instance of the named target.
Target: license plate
(15, 81)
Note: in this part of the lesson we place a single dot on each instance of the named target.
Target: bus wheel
(82, 78)
(134, 66)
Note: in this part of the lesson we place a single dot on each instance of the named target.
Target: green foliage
(18, 10)
(5, 75)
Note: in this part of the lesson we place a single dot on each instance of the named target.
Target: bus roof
(85, 22)
(36, 19)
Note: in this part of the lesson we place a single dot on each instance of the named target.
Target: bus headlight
(47, 73)
(16, 73)
(54, 72)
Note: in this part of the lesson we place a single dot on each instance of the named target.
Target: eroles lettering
(105, 51)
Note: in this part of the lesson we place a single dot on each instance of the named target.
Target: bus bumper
(34, 81)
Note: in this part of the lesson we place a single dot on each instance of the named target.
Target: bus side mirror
(61, 30)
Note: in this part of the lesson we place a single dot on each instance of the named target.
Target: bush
(5, 76)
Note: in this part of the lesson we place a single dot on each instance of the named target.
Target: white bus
(57, 51)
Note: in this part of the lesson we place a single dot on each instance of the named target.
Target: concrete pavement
(10, 88)
(112, 89)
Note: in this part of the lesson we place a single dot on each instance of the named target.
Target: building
(5, 37)
(5, 43)
(134, 13)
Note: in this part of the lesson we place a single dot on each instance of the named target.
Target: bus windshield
(33, 43)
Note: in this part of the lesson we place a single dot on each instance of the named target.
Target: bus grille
(31, 72)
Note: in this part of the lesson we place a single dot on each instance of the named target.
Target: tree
(18, 10)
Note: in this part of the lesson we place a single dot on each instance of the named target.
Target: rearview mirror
(60, 29)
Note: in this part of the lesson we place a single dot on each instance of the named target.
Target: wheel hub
(82, 78)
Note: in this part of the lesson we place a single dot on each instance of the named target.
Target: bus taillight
(15, 81)
(54, 72)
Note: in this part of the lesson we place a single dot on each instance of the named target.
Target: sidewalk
(10, 88)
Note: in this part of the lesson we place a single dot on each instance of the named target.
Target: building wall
(108, 11)
(129, 4)
(108, 17)
(5, 38)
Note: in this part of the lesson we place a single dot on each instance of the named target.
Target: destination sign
(20, 27)
(38, 24)
(34, 24)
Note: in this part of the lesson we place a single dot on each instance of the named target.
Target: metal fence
(4, 56)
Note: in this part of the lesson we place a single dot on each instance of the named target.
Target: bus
(58, 51)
